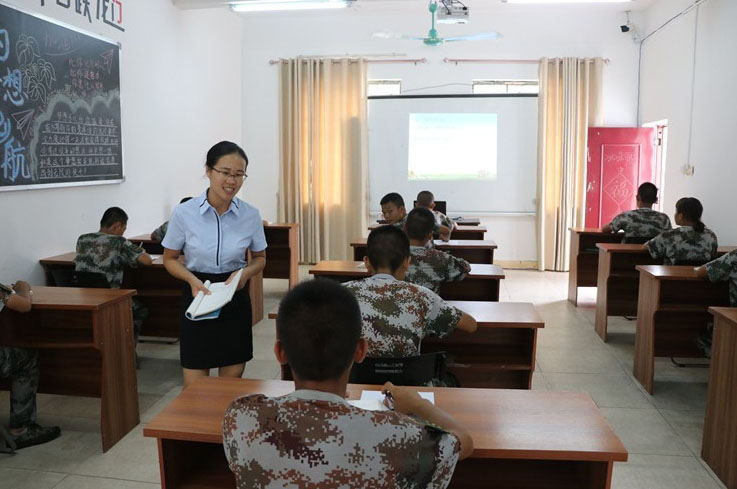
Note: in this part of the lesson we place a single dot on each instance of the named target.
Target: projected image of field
(452, 146)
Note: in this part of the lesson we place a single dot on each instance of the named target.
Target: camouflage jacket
(311, 440)
(160, 232)
(443, 220)
(397, 315)
(108, 254)
(725, 268)
(641, 223)
(431, 268)
(683, 244)
(4, 297)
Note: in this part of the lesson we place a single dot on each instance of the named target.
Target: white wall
(181, 93)
(708, 37)
(564, 32)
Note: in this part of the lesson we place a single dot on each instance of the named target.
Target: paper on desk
(377, 395)
(369, 405)
(361, 265)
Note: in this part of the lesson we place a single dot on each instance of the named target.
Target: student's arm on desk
(607, 228)
(408, 402)
(177, 270)
(144, 259)
(467, 323)
(21, 301)
(701, 271)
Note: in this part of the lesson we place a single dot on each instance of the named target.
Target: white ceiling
(474, 5)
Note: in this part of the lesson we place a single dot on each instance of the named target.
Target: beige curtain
(324, 154)
(569, 102)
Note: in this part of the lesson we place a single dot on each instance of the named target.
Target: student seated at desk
(108, 252)
(643, 222)
(426, 199)
(397, 315)
(689, 243)
(430, 267)
(719, 270)
(21, 366)
(159, 233)
(394, 212)
(313, 437)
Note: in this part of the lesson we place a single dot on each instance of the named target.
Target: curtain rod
(356, 60)
(501, 61)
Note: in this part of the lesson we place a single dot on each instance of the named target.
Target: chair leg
(689, 365)
(9, 445)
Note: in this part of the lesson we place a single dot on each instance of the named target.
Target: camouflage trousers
(21, 366)
(140, 313)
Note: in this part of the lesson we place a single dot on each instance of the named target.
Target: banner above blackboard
(59, 105)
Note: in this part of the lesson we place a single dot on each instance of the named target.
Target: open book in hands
(208, 306)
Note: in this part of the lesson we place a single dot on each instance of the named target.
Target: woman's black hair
(691, 209)
(223, 148)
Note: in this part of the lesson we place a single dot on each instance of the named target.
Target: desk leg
(256, 291)
(114, 335)
(573, 270)
(647, 305)
(602, 281)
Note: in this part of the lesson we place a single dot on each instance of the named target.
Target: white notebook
(374, 400)
(208, 306)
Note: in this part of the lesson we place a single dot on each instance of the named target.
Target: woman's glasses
(238, 177)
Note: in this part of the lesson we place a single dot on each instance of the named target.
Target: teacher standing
(214, 231)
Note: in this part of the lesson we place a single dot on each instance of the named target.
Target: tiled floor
(662, 432)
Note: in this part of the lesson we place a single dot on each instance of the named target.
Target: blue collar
(204, 205)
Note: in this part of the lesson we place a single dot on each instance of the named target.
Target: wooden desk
(481, 284)
(719, 446)
(282, 254)
(463, 232)
(500, 354)
(471, 250)
(159, 291)
(522, 439)
(85, 343)
(463, 221)
(672, 307)
(619, 281)
(584, 258)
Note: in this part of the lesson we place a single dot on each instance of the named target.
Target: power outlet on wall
(688, 169)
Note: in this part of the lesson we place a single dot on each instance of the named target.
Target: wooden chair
(418, 370)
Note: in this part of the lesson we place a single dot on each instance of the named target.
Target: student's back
(690, 243)
(107, 254)
(310, 439)
(641, 223)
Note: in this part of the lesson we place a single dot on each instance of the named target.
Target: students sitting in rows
(430, 267)
(690, 243)
(21, 367)
(394, 212)
(643, 222)
(313, 437)
(109, 253)
(159, 233)
(397, 315)
(426, 200)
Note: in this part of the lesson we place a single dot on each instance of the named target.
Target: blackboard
(59, 105)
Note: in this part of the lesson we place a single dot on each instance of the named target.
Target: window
(504, 86)
(384, 87)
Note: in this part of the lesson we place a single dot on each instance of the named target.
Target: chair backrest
(73, 278)
(419, 370)
(636, 239)
(440, 206)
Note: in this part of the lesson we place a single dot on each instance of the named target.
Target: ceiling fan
(432, 38)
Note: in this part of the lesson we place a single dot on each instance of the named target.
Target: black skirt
(226, 340)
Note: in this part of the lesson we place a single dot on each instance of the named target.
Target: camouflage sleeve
(447, 222)
(160, 232)
(442, 318)
(4, 296)
(617, 223)
(458, 268)
(666, 222)
(447, 450)
(723, 267)
(656, 247)
(129, 253)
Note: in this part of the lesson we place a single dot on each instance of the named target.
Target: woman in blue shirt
(214, 231)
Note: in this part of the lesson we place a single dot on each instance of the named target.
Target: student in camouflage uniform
(108, 252)
(159, 233)
(719, 270)
(691, 242)
(643, 222)
(426, 200)
(396, 314)
(21, 366)
(430, 267)
(313, 437)
(394, 212)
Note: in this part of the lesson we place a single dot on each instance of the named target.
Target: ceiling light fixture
(277, 5)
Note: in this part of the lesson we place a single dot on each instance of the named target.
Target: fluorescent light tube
(265, 5)
(564, 1)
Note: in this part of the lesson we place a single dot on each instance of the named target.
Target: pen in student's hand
(388, 399)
